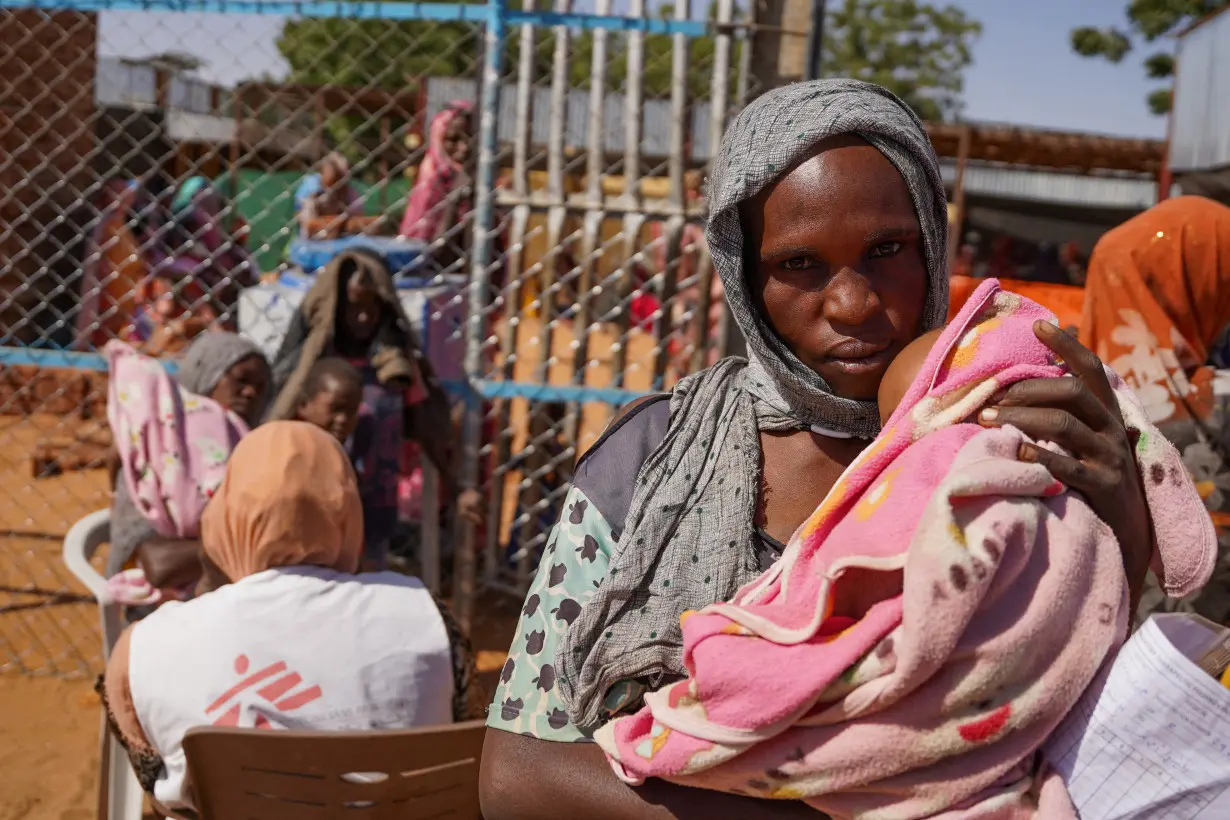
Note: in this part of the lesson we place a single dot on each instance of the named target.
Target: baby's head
(902, 371)
(331, 397)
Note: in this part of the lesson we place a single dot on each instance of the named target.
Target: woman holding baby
(828, 229)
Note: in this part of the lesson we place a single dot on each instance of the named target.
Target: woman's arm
(524, 778)
(121, 715)
(1082, 416)
(535, 762)
(469, 700)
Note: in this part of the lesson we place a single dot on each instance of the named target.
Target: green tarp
(266, 201)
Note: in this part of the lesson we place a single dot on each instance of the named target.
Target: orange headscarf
(1157, 298)
(289, 497)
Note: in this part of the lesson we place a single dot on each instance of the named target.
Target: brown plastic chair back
(262, 774)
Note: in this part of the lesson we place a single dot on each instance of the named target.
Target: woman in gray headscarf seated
(233, 372)
(828, 227)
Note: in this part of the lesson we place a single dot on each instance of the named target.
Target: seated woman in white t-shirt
(290, 637)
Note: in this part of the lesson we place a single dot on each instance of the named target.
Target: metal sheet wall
(1200, 123)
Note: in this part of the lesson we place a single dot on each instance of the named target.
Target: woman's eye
(797, 263)
(885, 249)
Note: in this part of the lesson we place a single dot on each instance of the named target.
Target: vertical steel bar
(634, 218)
(513, 261)
(595, 213)
(730, 340)
(673, 235)
(743, 80)
(484, 202)
(719, 103)
(558, 117)
(535, 459)
(815, 42)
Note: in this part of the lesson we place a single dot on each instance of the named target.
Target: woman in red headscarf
(440, 199)
(1157, 310)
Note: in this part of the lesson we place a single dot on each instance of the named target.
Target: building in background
(1200, 120)
(47, 148)
(1030, 203)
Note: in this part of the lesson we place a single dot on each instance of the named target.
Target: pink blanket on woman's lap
(1005, 594)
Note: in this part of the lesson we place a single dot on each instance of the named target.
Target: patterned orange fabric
(1158, 301)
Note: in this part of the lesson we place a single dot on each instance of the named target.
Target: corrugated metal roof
(1047, 186)
(1200, 123)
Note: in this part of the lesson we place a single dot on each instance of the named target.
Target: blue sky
(1024, 71)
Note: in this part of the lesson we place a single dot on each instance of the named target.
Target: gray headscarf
(208, 358)
(688, 540)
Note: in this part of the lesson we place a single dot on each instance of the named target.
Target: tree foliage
(919, 51)
(1148, 20)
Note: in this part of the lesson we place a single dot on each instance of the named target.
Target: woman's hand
(1082, 415)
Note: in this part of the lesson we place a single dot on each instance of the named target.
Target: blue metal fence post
(484, 234)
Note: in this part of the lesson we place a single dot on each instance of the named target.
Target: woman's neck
(797, 471)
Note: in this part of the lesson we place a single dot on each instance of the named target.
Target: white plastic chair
(119, 794)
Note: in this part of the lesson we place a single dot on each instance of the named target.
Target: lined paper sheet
(1153, 743)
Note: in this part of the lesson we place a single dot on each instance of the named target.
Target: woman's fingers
(1096, 482)
(1083, 363)
(1090, 480)
(1057, 426)
(1069, 395)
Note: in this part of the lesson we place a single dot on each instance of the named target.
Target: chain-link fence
(171, 167)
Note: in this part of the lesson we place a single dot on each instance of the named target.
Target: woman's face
(331, 175)
(362, 310)
(835, 261)
(457, 139)
(242, 389)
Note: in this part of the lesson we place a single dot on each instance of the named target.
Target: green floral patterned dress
(572, 567)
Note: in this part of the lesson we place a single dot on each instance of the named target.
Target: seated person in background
(282, 538)
(331, 397)
(925, 630)
(221, 375)
(328, 204)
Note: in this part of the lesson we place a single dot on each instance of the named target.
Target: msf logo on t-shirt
(281, 690)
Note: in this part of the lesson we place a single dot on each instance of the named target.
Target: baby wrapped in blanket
(995, 597)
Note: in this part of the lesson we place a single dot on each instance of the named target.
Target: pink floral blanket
(173, 445)
(931, 623)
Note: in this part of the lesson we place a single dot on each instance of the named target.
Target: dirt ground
(50, 650)
(48, 725)
(48, 748)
